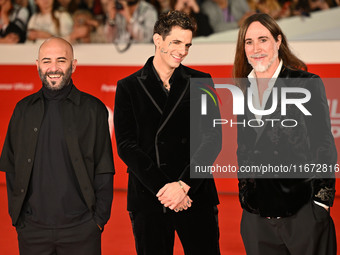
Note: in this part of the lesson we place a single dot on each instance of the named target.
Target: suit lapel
(165, 105)
(250, 115)
(265, 117)
(276, 114)
(179, 88)
(151, 87)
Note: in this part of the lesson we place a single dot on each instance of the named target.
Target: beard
(66, 78)
(259, 67)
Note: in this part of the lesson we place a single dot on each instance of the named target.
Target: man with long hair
(282, 213)
(152, 120)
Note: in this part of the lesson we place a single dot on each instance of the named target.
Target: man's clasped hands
(174, 195)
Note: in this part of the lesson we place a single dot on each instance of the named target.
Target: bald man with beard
(58, 162)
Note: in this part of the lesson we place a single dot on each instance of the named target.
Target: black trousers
(84, 239)
(310, 231)
(197, 229)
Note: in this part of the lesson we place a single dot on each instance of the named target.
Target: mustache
(55, 72)
(258, 55)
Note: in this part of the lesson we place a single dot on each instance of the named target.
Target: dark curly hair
(172, 19)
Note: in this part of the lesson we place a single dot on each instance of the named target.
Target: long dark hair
(241, 66)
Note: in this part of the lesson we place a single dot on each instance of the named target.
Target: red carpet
(118, 237)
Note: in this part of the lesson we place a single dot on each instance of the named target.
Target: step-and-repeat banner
(18, 81)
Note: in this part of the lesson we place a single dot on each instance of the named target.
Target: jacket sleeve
(103, 188)
(7, 163)
(7, 154)
(103, 179)
(103, 155)
(126, 129)
(322, 143)
(205, 139)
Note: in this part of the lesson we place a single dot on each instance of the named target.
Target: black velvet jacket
(310, 142)
(153, 137)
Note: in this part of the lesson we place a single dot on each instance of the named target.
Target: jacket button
(29, 160)
(184, 140)
(35, 129)
(22, 190)
(276, 153)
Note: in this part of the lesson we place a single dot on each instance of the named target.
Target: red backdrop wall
(17, 81)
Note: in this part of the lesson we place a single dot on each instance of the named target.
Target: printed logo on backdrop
(334, 111)
(16, 86)
(108, 88)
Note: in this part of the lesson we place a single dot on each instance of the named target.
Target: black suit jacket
(310, 142)
(153, 137)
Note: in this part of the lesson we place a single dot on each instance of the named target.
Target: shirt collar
(160, 81)
(74, 95)
(158, 78)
